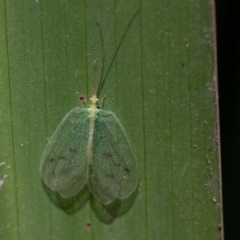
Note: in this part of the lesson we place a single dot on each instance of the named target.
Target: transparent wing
(113, 172)
(63, 164)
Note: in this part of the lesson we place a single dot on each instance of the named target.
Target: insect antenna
(99, 84)
(100, 65)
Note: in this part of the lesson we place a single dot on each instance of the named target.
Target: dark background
(227, 13)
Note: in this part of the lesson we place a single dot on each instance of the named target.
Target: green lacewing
(91, 147)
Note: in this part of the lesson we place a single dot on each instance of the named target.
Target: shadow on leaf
(68, 205)
(105, 213)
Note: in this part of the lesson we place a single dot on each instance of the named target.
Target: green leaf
(161, 86)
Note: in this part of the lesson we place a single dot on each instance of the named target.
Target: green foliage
(161, 87)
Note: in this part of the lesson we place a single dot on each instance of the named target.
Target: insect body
(90, 147)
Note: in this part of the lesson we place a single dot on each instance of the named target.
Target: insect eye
(82, 100)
